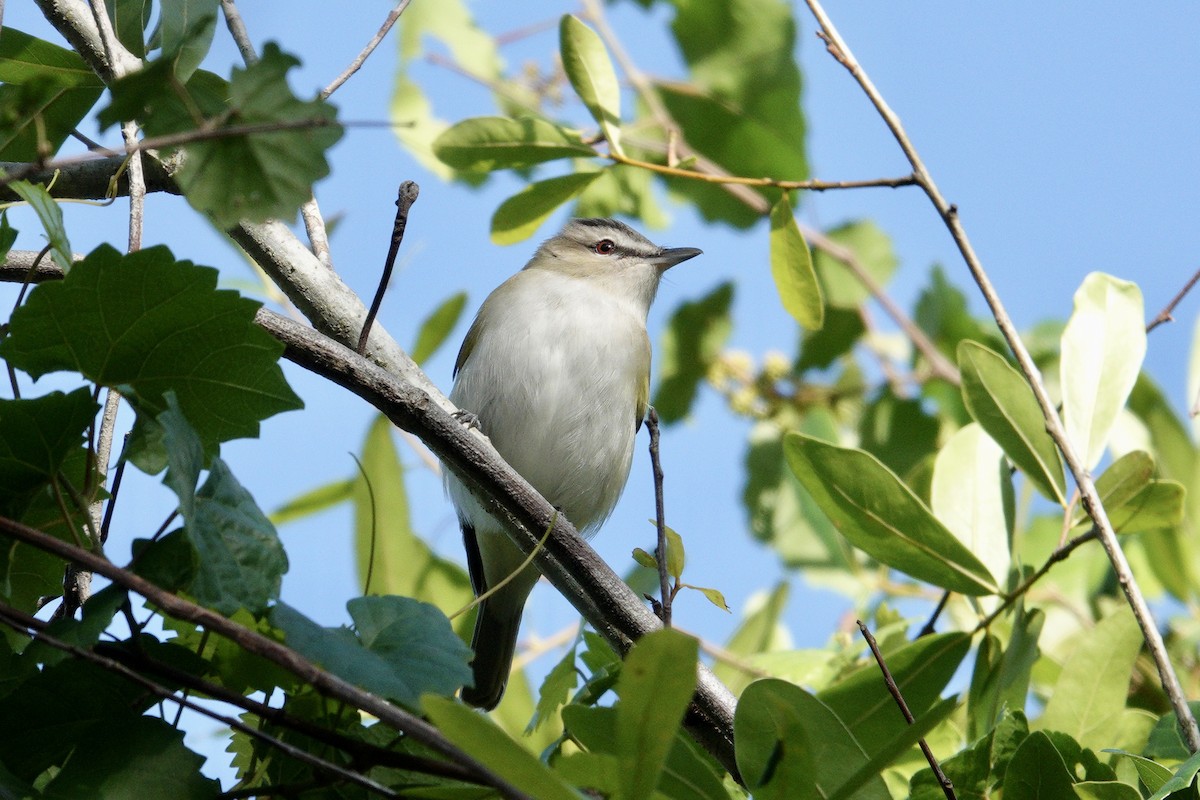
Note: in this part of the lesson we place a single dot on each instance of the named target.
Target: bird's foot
(467, 418)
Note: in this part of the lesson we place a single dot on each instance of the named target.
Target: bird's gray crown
(589, 230)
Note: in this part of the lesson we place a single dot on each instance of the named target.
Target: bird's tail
(494, 643)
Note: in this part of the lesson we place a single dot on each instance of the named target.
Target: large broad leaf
(185, 33)
(400, 648)
(657, 681)
(36, 436)
(791, 266)
(516, 219)
(491, 143)
(880, 515)
(1102, 351)
(692, 341)
(149, 324)
(1037, 771)
(46, 91)
(1089, 697)
(493, 748)
(921, 669)
(791, 745)
(1001, 401)
(588, 67)
(972, 495)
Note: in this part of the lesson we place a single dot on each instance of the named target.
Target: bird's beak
(671, 256)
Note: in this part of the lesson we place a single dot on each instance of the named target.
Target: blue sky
(1065, 133)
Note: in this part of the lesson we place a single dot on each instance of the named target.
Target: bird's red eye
(605, 247)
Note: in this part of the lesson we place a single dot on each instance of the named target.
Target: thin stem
(946, 784)
(660, 522)
(361, 58)
(772, 183)
(1166, 314)
(1083, 479)
(405, 198)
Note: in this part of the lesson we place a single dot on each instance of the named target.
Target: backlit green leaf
(516, 219)
(491, 143)
(1102, 351)
(791, 266)
(588, 67)
(870, 247)
(437, 326)
(880, 515)
(50, 215)
(1001, 401)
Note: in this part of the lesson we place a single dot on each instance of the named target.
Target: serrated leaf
(149, 324)
(656, 684)
(516, 219)
(972, 495)
(1001, 401)
(491, 143)
(691, 343)
(1092, 687)
(791, 266)
(479, 736)
(881, 516)
(1102, 350)
(437, 326)
(36, 436)
(50, 215)
(921, 668)
(791, 745)
(591, 73)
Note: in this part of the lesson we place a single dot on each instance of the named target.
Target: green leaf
(1090, 695)
(1152, 774)
(1160, 504)
(620, 190)
(1102, 351)
(791, 745)
(170, 562)
(479, 736)
(921, 669)
(759, 632)
(400, 563)
(943, 314)
(516, 219)
(591, 73)
(135, 757)
(240, 556)
(1001, 401)
(898, 431)
(50, 214)
(1124, 479)
(491, 143)
(1002, 675)
(1037, 771)
(556, 687)
(404, 648)
(47, 90)
(437, 326)
(645, 559)
(656, 684)
(870, 247)
(36, 436)
(97, 614)
(791, 266)
(842, 330)
(972, 495)
(129, 19)
(676, 555)
(1106, 790)
(691, 343)
(185, 33)
(313, 501)
(714, 596)
(148, 324)
(880, 515)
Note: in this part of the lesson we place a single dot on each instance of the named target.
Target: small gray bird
(556, 371)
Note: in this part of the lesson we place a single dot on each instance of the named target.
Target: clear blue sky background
(1066, 134)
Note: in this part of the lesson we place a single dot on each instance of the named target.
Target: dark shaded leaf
(693, 340)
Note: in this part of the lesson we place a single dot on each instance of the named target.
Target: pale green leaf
(870, 247)
(313, 501)
(1001, 401)
(714, 596)
(1102, 350)
(437, 326)
(881, 516)
(792, 269)
(516, 219)
(1089, 697)
(656, 684)
(493, 748)
(491, 143)
(676, 555)
(972, 495)
(1160, 504)
(1121, 482)
(758, 632)
(588, 67)
(50, 215)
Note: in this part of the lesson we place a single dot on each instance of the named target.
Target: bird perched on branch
(555, 370)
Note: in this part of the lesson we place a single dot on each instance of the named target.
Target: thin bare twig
(946, 784)
(404, 200)
(1083, 479)
(361, 58)
(237, 29)
(1166, 314)
(660, 521)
